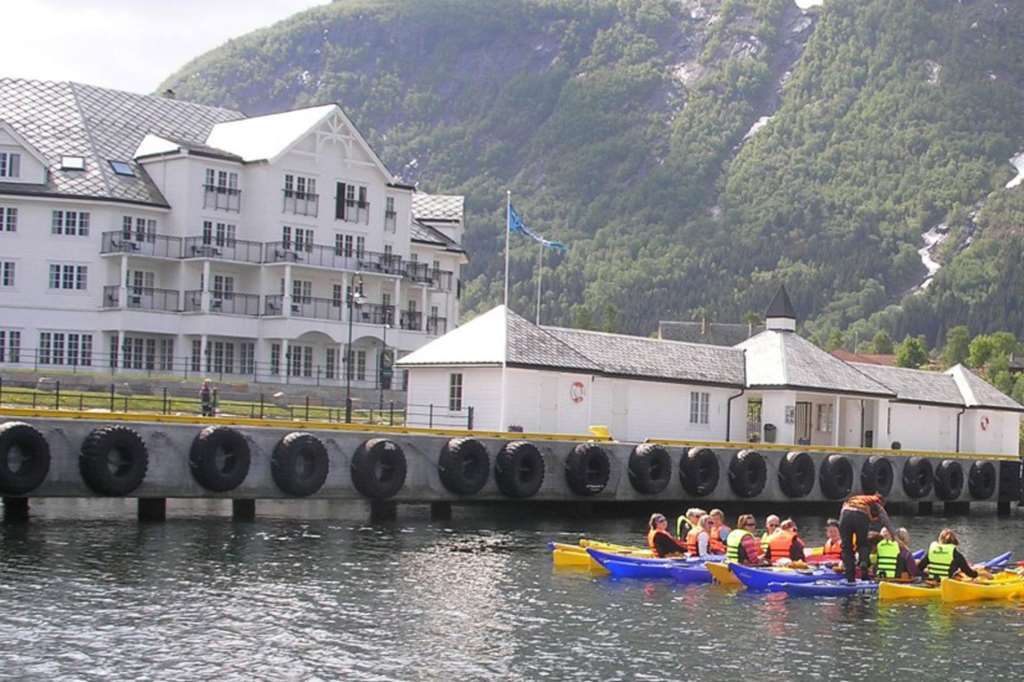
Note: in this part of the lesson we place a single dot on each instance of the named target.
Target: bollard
(469, 418)
(307, 408)
(166, 406)
(261, 406)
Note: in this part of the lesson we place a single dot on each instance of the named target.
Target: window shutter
(339, 202)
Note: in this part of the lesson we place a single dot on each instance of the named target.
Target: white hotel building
(143, 233)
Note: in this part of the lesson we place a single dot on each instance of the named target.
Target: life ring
(836, 477)
(917, 477)
(587, 469)
(519, 469)
(876, 476)
(650, 468)
(699, 471)
(796, 474)
(299, 464)
(25, 447)
(748, 473)
(219, 458)
(949, 479)
(464, 466)
(114, 460)
(378, 468)
(982, 479)
(984, 422)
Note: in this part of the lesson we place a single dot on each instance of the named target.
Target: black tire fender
(699, 471)
(379, 468)
(24, 458)
(587, 469)
(299, 464)
(876, 476)
(917, 477)
(113, 460)
(836, 477)
(982, 479)
(219, 458)
(949, 480)
(464, 466)
(650, 468)
(748, 473)
(796, 474)
(519, 469)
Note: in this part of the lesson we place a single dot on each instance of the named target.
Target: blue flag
(515, 224)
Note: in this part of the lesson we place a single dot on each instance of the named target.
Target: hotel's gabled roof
(100, 125)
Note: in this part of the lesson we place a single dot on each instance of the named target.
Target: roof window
(122, 168)
(72, 163)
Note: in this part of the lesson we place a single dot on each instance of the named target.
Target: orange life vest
(651, 544)
(715, 544)
(863, 503)
(832, 549)
(692, 542)
(779, 545)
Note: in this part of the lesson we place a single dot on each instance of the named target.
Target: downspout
(862, 422)
(728, 403)
(958, 415)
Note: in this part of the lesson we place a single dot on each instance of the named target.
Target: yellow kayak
(722, 574)
(575, 557)
(891, 591)
(965, 591)
(632, 550)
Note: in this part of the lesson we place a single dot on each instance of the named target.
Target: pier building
(142, 233)
(774, 386)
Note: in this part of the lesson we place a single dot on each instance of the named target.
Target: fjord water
(315, 592)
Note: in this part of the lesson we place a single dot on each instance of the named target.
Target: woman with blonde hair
(944, 559)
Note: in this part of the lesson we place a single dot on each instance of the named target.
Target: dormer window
(122, 168)
(10, 165)
(76, 163)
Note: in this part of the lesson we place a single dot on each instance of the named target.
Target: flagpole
(540, 277)
(502, 424)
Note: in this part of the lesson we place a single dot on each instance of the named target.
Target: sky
(124, 44)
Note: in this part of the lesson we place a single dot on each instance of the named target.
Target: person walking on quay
(207, 398)
(855, 517)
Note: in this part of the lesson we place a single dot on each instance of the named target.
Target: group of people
(849, 541)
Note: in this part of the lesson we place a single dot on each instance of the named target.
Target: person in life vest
(893, 558)
(785, 544)
(688, 521)
(718, 527)
(741, 546)
(832, 550)
(660, 541)
(855, 517)
(944, 559)
(771, 524)
(702, 542)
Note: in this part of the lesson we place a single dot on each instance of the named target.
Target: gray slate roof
(783, 359)
(714, 333)
(422, 232)
(636, 356)
(528, 344)
(61, 118)
(915, 385)
(437, 207)
(985, 394)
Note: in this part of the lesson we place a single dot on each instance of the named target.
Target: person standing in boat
(855, 518)
(660, 541)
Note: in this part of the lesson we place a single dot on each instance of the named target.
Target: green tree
(835, 341)
(882, 342)
(1018, 389)
(611, 318)
(980, 351)
(582, 318)
(912, 352)
(958, 342)
(1004, 344)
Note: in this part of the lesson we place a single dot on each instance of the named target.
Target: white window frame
(10, 165)
(455, 392)
(8, 219)
(700, 408)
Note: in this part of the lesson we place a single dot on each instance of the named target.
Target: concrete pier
(440, 511)
(243, 510)
(957, 508)
(152, 509)
(15, 509)
(386, 510)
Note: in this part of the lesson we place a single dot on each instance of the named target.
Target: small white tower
(780, 316)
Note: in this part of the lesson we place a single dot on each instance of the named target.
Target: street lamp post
(380, 360)
(355, 297)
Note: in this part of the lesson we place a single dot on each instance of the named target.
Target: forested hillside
(692, 153)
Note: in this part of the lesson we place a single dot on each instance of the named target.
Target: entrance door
(803, 423)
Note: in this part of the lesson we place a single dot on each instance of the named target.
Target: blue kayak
(828, 588)
(759, 577)
(684, 570)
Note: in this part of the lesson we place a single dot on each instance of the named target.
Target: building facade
(774, 386)
(142, 233)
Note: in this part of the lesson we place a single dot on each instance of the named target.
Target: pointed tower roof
(780, 306)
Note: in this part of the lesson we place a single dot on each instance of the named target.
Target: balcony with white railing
(220, 198)
(140, 244)
(222, 248)
(300, 203)
(223, 303)
(141, 298)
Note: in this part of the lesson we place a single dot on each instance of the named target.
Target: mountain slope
(626, 128)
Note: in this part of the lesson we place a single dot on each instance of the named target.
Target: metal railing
(333, 257)
(437, 325)
(223, 303)
(357, 211)
(411, 320)
(390, 221)
(222, 198)
(139, 244)
(238, 250)
(300, 203)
